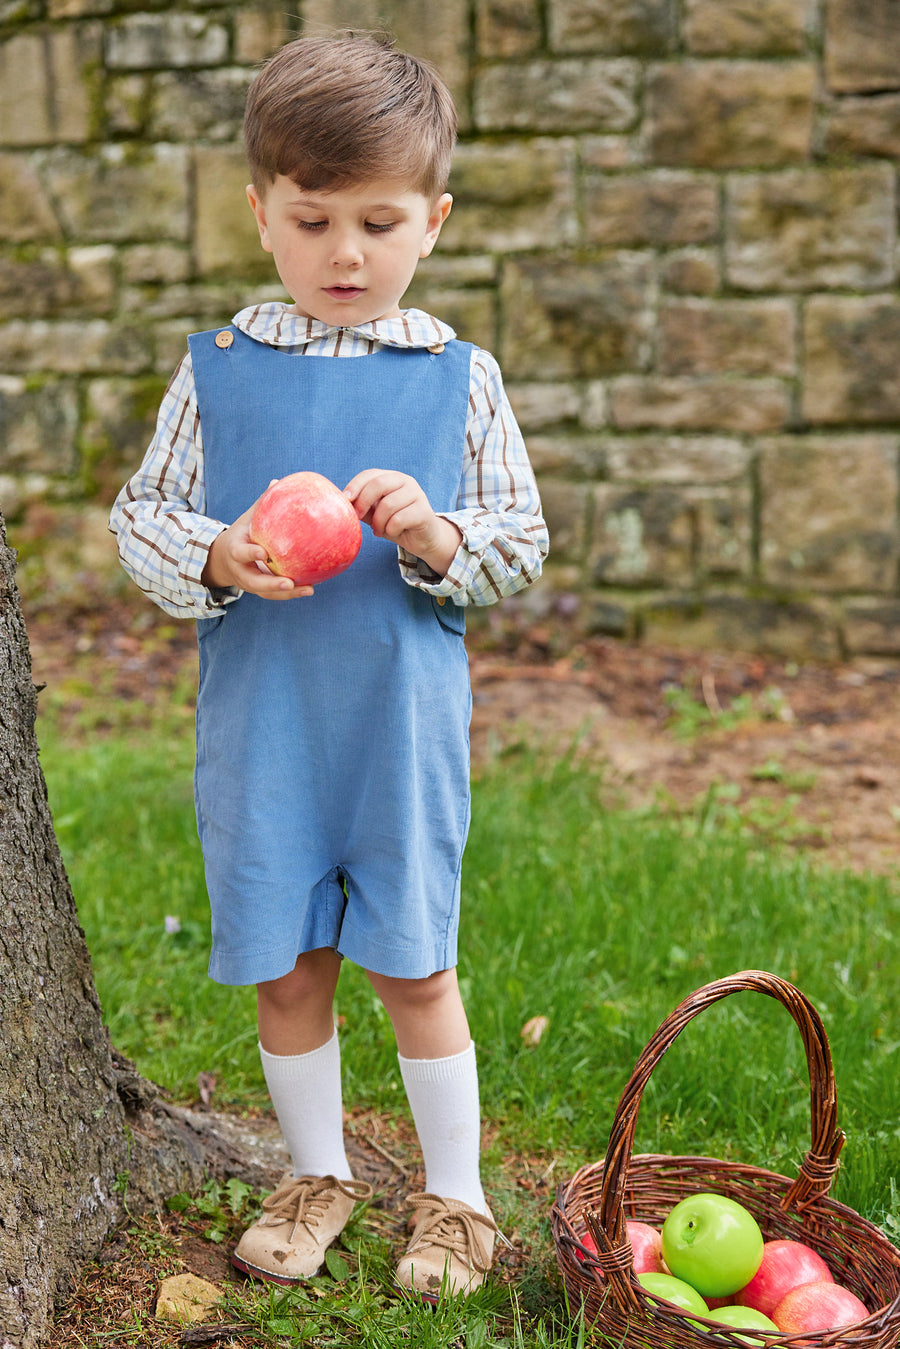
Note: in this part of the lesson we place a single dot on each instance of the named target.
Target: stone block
(47, 282)
(700, 403)
(595, 405)
(815, 533)
(154, 263)
(567, 455)
(740, 337)
(872, 627)
(675, 461)
(120, 417)
(792, 629)
(442, 35)
(260, 31)
(862, 45)
(539, 405)
(565, 318)
(608, 152)
(512, 196)
(38, 425)
(198, 105)
(863, 126)
(566, 507)
(470, 311)
(165, 41)
(46, 85)
(128, 104)
(809, 229)
(76, 9)
(73, 347)
(730, 114)
(626, 27)
(665, 536)
(26, 212)
(225, 232)
(662, 208)
(571, 94)
(852, 373)
(691, 271)
(116, 193)
(508, 27)
(747, 27)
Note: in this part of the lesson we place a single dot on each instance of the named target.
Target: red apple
(785, 1265)
(823, 1305)
(308, 528)
(646, 1244)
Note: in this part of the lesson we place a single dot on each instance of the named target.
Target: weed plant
(599, 921)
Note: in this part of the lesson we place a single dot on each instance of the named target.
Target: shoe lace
(305, 1199)
(453, 1226)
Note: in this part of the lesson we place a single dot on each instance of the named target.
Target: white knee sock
(443, 1098)
(306, 1093)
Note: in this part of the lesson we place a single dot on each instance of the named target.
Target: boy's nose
(347, 252)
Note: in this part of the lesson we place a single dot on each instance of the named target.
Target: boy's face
(346, 256)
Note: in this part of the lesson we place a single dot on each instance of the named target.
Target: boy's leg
(454, 1233)
(302, 1066)
(301, 1060)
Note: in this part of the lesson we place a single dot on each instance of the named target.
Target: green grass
(601, 921)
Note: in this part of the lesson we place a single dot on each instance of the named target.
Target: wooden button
(441, 599)
(224, 339)
(436, 349)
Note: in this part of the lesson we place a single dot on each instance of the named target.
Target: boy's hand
(396, 508)
(235, 560)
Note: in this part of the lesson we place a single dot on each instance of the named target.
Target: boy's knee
(313, 978)
(414, 994)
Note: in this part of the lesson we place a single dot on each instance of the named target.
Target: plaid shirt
(164, 535)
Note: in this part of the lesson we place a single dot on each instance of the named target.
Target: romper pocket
(450, 616)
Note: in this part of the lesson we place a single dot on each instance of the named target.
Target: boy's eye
(312, 225)
(374, 228)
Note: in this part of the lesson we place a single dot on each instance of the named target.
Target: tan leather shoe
(299, 1222)
(451, 1248)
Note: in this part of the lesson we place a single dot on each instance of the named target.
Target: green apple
(712, 1243)
(674, 1290)
(745, 1318)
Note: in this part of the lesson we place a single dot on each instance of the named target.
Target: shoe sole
(430, 1299)
(266, 1275)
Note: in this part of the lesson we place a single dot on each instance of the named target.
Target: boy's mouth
(344, 292)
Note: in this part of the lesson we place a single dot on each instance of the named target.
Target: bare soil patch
(808, 753)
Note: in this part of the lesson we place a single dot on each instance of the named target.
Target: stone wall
(675, 225)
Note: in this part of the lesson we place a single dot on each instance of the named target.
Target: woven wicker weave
(600, 1198)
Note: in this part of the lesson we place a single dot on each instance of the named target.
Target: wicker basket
(601, 1196)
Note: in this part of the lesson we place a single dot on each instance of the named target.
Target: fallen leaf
(206, 1085)
(533, 1030)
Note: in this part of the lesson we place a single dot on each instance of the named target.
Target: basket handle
(818, 1167)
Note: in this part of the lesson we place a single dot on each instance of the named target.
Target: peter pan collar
(274, 324)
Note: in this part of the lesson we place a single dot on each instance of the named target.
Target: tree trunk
(80, 1131)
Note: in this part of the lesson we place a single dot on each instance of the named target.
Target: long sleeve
(498, 511)
(158, 518)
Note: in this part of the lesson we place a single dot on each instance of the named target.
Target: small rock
(184, 1297)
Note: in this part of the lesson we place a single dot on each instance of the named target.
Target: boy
(332, 784)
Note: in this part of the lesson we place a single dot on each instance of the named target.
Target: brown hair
(329, 112)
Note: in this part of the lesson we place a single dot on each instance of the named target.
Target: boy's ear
(258, 206)
(439, 212)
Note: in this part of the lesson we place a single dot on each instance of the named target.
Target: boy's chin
(337, 316)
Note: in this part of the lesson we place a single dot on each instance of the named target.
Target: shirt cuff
(458, 581)
(204, 601)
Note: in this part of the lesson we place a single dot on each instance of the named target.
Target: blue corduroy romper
(332, 776)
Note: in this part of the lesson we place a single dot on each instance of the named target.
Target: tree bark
(81, 1133)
